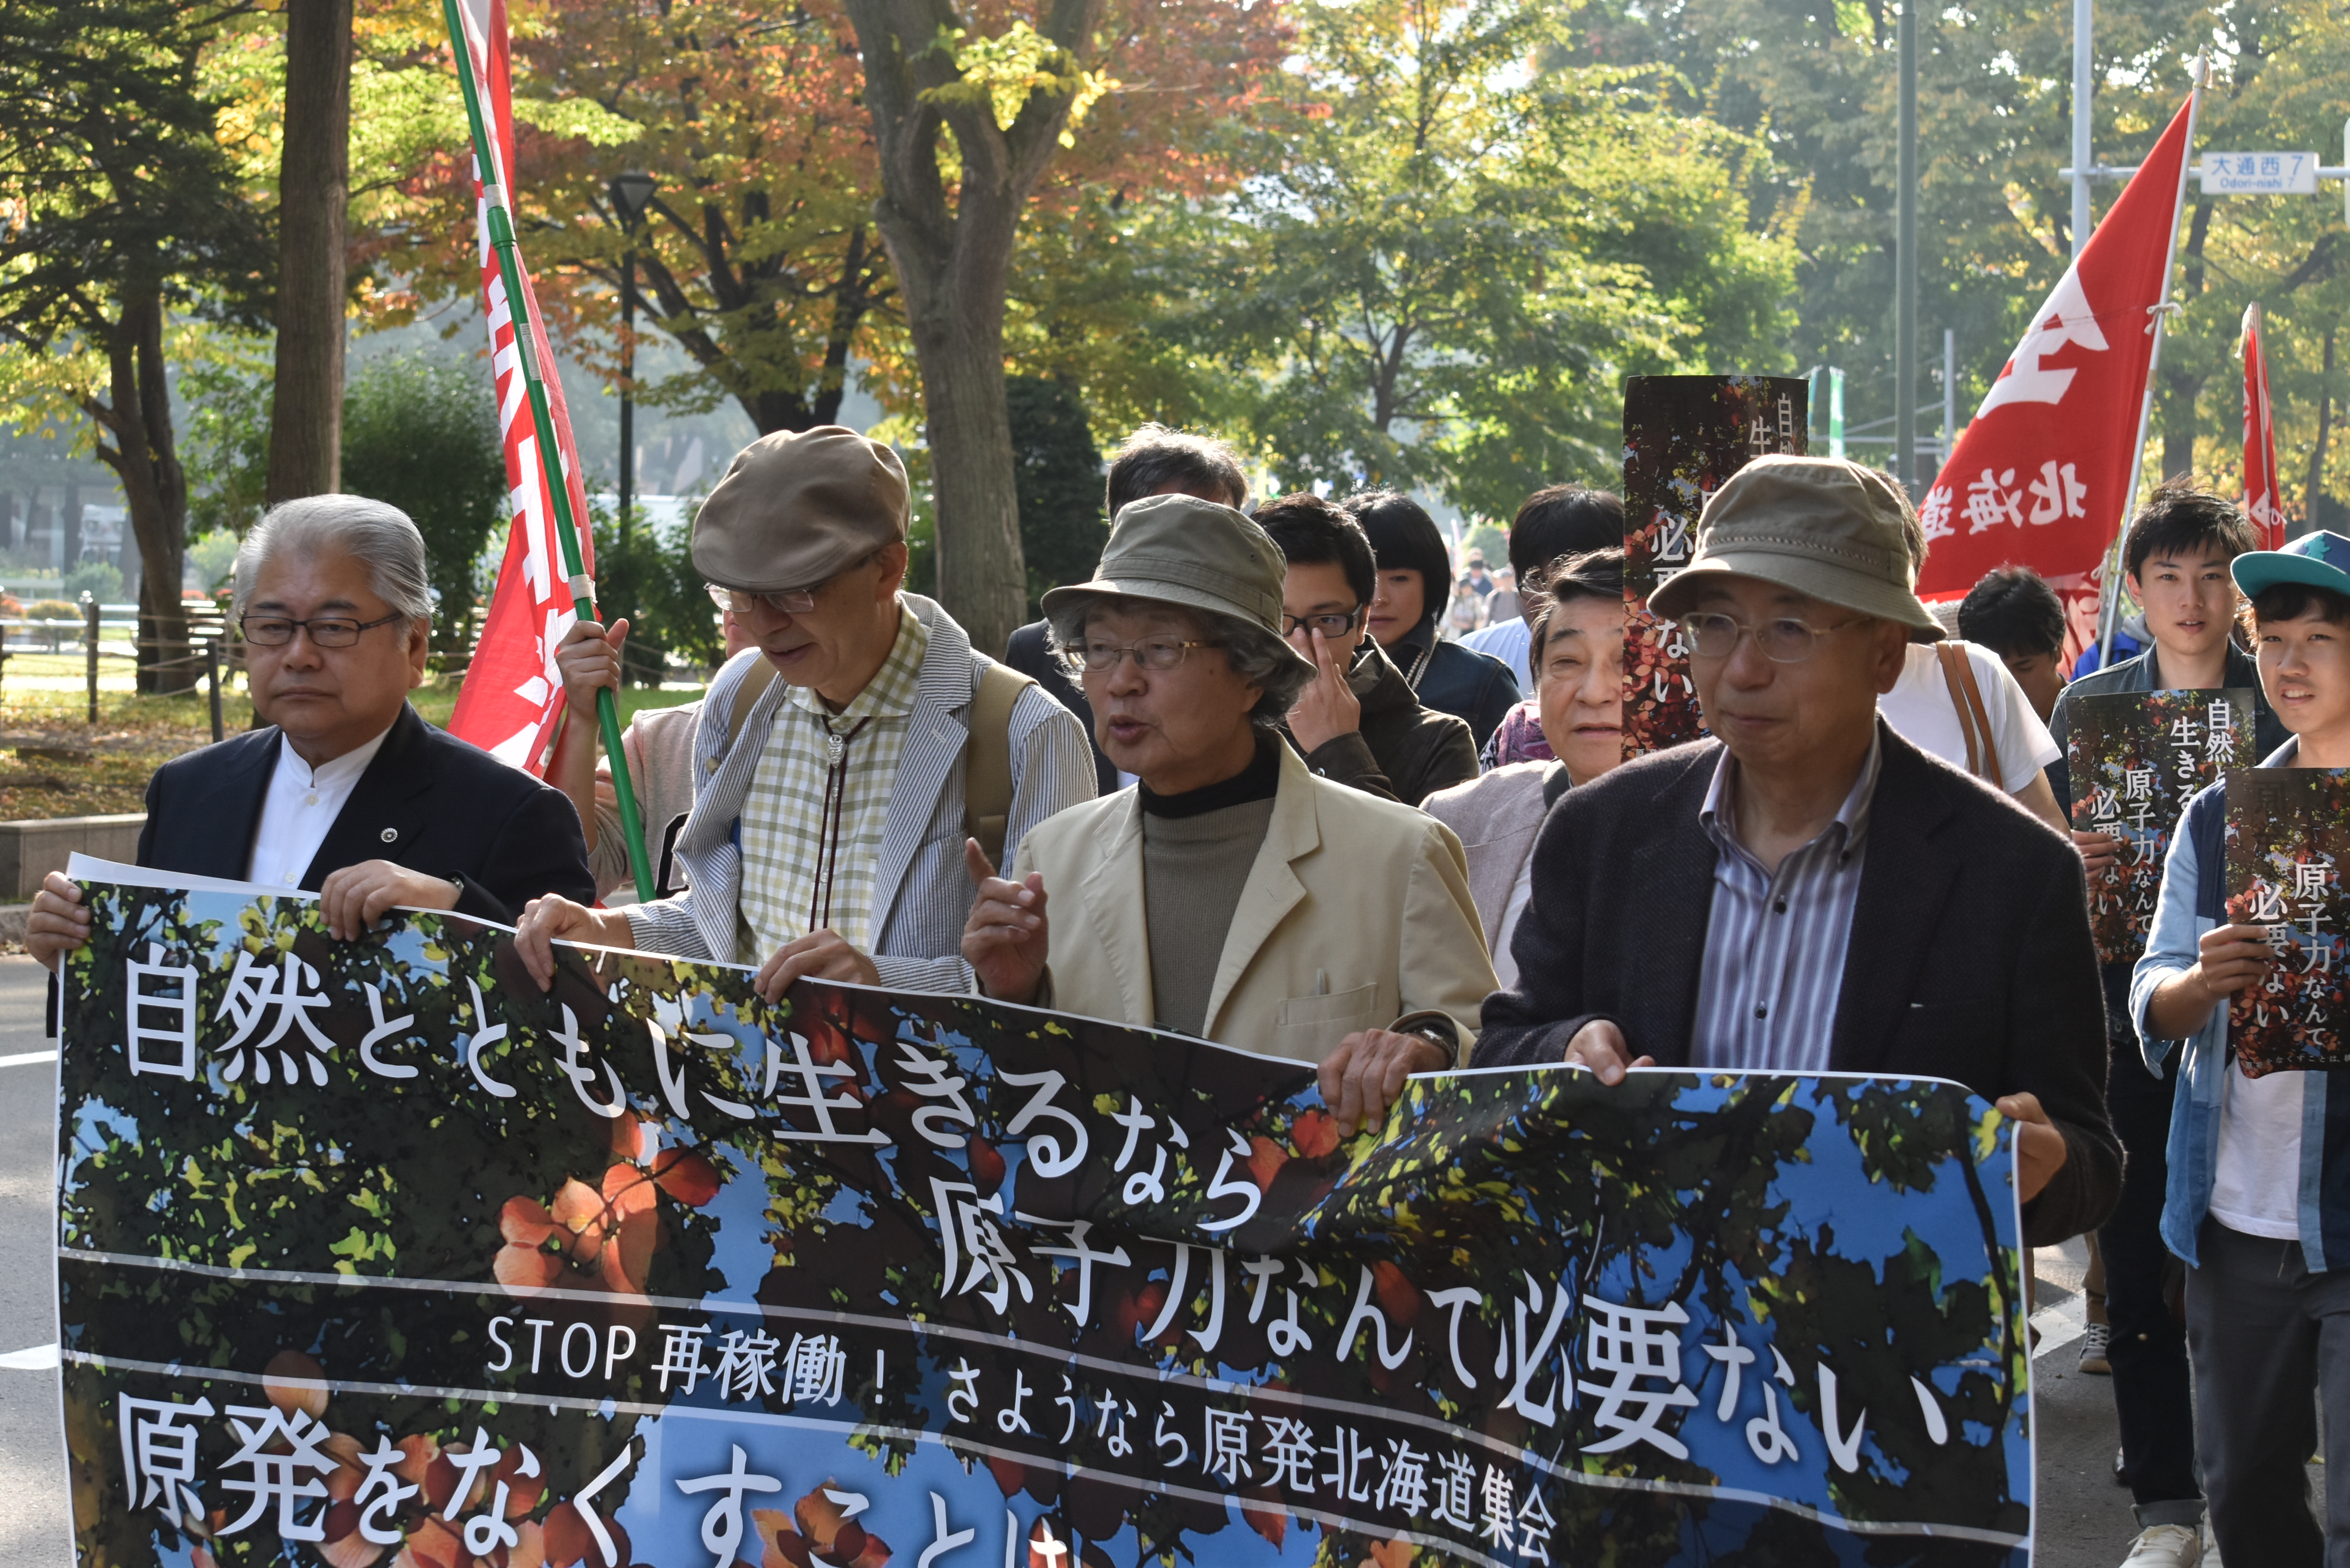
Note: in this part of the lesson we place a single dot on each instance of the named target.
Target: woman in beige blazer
(1232, 894)
(1576, 651)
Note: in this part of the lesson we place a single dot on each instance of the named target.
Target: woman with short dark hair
(1415, 588)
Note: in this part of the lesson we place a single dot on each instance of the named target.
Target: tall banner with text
(2043, 476)
(513, 689)
(2264, 498)
(371, 1250)
(1683, 437)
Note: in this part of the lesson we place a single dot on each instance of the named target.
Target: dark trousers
(2263, 1331)
(2152, 1400)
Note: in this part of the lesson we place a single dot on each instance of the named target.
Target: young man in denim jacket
(2258, 1199)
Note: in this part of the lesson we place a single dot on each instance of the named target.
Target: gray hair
(1255, 655)
(377, 535)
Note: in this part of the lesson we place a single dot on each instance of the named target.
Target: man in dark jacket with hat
(1358, 720)
(1807, 892)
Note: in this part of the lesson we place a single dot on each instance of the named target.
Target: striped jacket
(922, 895)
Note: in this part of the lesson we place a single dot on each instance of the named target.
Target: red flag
(2263, 500)
(512, 690)
(2045, 474)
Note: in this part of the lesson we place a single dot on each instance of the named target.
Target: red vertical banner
(2263, 500)
(512, 691)
(2045, 474)
(1683, 437)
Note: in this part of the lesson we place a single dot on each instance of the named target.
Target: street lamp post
(631, 194)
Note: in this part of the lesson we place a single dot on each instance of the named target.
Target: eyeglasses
(782, 601)
(787, 601)
(1159, 653)
(326, 631)
(1331, 626)
(1785, 639)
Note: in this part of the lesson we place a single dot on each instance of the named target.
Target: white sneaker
(2165, 1546)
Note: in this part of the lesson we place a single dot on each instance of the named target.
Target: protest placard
(1683, 437)
(2135, 759)
(2288, 829)
(372, 1246)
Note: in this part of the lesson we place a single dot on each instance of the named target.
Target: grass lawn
(136, 734)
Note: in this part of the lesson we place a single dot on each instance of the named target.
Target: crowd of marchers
(1248, 784)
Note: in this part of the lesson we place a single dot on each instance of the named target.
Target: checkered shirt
(783, 817)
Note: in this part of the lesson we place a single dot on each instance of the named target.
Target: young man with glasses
(1806, 891)
(1231, 895)
(1358, 720)
(836, 756)
(343, 791)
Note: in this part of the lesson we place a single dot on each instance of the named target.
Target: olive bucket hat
(1181, 550)
(1820, 525)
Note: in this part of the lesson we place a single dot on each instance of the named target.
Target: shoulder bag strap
(1953, 662)
(987, 763)
(1961, 672)
(755, 681)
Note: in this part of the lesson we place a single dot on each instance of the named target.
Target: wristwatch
(1437, 1028)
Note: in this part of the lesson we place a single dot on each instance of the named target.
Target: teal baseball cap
(2320, 559)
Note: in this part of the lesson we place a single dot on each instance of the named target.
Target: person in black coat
(1817, 895)
(1415, 582)
(346, 792)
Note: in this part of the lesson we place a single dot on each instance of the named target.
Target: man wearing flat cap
(1806, 891)
(846, 756)
(1232, 894)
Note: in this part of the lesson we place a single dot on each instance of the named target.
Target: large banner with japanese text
(371, 1252)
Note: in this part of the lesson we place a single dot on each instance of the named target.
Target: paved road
(34, 1531)
(2084, 1519)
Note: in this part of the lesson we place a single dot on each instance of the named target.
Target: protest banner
(1683, 437)
(2288, 830)
(374, 1247)
(2135, 759)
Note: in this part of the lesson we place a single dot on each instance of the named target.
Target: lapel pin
(390, 835)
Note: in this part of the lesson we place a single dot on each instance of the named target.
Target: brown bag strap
(755, 681)
(987, 764)
(1975, 718)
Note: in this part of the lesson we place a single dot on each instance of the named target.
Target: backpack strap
(755, 681)
(987, 761)
(1975, 718)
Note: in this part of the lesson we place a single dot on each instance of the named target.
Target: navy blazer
(428, 801)
(1969, 957)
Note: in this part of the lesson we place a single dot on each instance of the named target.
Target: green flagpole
(550, 456)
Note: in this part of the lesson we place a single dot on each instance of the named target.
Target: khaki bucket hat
(1181, 550)
(1820, 525)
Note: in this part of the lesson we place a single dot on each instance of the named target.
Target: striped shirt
(798, 868)
(1774, 944)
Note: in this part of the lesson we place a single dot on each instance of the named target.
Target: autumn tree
(128, 212)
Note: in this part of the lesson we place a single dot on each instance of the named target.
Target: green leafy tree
(422, 433)
(649, 581)
(128, 210)
(1450, 263)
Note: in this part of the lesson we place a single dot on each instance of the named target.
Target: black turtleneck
(1258, 781)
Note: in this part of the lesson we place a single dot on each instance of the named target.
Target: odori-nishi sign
(370, 1248)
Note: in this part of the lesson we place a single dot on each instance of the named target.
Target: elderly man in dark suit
(1806, 891)
(345, 793)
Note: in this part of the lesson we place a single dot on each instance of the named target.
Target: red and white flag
(2263, 500)
(512, 691)
(2044, 475)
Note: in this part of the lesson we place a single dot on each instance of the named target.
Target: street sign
(2260, 173)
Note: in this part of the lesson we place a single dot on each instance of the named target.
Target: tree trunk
(2184, 390)
(145, 459)
(305, 412)
(953, 263)
(2314, 495)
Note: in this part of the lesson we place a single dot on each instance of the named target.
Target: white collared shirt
(302, 804)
